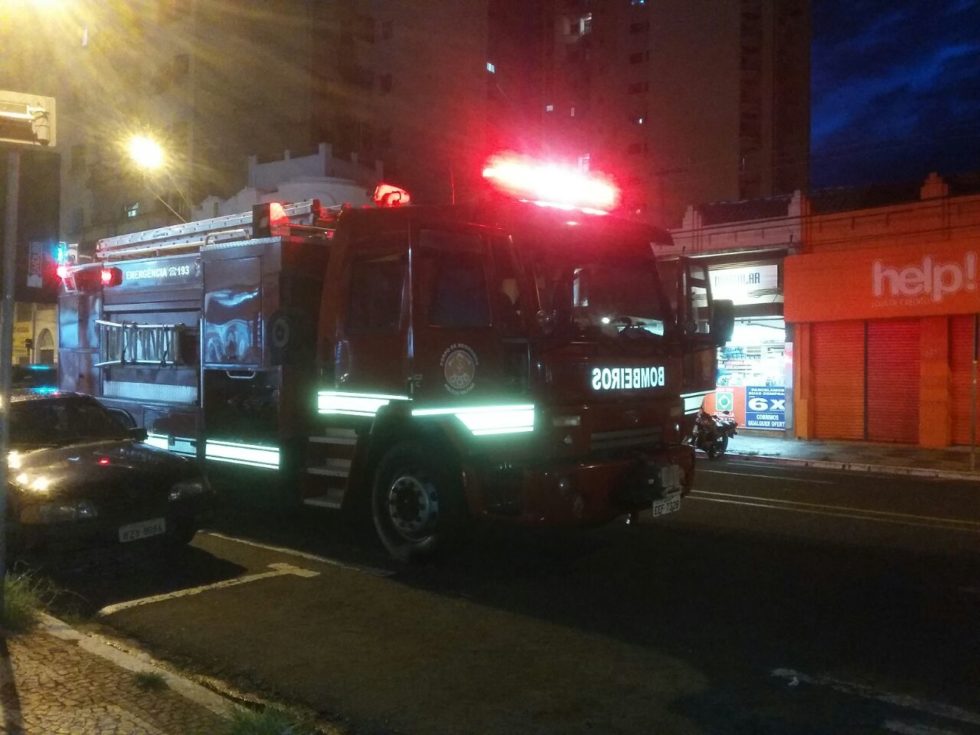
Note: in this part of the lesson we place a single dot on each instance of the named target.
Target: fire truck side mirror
(722, 320)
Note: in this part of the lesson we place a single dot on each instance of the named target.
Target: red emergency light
(387, 195)
(62, 272)
(551, 184)
(267, 218)
(111, 276)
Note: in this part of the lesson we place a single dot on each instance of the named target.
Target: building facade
(884, 301)
(744, 245)
(683, 100)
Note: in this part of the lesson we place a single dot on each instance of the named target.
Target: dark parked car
(80, 476)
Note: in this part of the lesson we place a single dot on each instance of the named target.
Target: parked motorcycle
(712, 431)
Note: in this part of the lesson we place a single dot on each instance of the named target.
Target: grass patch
(267, 722)
(24, 596)
(150, 681)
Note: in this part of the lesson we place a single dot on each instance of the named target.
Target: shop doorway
(755, 375)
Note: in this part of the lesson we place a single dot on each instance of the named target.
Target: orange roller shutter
(838, 379)
(961, 374)
(894, 359)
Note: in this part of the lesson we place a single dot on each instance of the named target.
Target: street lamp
(149, 157)
(146, 153)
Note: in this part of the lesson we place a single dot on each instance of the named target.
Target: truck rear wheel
(416, 501)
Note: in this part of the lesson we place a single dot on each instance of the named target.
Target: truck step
(333, 498)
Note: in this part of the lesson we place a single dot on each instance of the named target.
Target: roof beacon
(386, 195)
(551, 184)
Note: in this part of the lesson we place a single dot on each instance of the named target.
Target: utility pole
(25, 119)
(7, 344)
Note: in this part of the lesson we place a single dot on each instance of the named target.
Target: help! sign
(929, 278)
(878, 283)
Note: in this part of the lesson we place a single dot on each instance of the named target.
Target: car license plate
(143, 529)
(670, 504)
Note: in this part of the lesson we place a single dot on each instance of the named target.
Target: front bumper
(103, 532)
(578, 494)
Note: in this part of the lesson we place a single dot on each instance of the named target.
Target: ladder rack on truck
(306, 217)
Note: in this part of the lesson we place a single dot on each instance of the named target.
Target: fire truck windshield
(594, 293)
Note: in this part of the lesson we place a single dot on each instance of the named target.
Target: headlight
(188, 489)
(34, 484)
(81, 510)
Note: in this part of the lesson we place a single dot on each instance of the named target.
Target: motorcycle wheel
(718, 447)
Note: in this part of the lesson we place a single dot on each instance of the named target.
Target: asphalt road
(777, 600)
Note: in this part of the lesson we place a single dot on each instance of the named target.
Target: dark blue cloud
(895, 89)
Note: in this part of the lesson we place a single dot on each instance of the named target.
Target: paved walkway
(950, 463)
(57, 681)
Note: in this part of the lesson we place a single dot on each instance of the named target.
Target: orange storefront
(883, 306)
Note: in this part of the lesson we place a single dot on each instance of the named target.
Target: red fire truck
(505, 359)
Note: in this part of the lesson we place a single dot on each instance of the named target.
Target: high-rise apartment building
(685, 101)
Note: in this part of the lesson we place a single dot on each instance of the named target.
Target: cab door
(465, 318)
(371, 348)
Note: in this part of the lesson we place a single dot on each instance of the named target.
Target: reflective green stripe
(353, 404)
(254, 455)
(160, 441)
(488, 420)
(692, 401)
(177, 444)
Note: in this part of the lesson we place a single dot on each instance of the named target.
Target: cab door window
(454, 283)
(376, 295)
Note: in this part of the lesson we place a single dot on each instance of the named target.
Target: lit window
(585, 24)
(571, 112)
(491, 67)
(132, 210)
(549, 108)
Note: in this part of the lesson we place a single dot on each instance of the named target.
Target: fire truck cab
(501, 359)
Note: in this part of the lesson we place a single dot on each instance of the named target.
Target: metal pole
(7, 345)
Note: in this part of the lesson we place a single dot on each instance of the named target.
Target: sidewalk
(57, 681)
(952, 463)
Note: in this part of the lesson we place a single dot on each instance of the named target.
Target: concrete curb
(138, 661)
(865, 467)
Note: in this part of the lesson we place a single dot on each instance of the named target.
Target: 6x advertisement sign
(765, 407)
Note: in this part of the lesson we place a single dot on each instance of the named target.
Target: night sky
(895, 90)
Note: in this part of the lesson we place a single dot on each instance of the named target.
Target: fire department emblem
(459, 368)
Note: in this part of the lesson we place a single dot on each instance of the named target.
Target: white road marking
(278, 570)
(301, 554)
(837, 511)
(768, 477)
(936, 709)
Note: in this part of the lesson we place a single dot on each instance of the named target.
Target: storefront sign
(879, 283)
(753, 284)
(765, 407)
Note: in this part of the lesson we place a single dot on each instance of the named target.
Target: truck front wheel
(416, 501)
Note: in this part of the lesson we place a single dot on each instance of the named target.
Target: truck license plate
(670, 504)
(143, 529)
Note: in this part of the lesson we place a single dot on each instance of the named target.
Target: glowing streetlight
(146, 152)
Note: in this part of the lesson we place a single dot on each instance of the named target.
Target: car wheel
(416, 502)
(182, 534)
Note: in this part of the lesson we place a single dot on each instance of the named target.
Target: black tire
(718, 447)
(416, 501)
